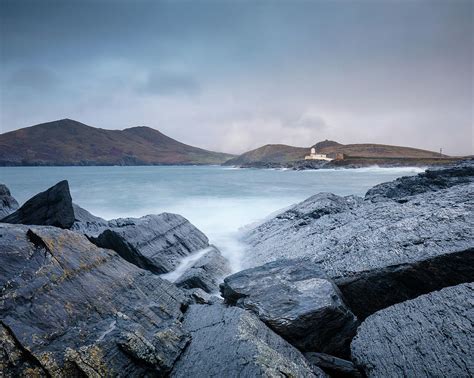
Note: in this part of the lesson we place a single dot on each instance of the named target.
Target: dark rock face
(52, 207)
(378, 253)
(429, 181)
(86, 223)
(231, 342)
(206, 273)
(8, 204)
(69, 308)
(154, 242)
(297, 302)
(430, 336)
(335, 367)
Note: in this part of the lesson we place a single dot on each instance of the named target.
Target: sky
(234, 75)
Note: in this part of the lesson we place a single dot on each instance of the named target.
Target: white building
(314, 156)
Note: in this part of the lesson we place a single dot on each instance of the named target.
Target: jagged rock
(52, 207)
(231, 342)
(335, 367)
(431, 180)
(154, 242)
(206, 273)
(86, 223)
(75, 309)
(298, 302)
(430, 336)
(378, 253)
(8, 204)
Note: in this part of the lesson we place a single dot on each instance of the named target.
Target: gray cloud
(170, 83)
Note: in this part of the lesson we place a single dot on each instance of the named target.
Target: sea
(220, 201)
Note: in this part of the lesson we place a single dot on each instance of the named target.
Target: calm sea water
(217, 200)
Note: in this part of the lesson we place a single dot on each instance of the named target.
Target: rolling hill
(68, 142)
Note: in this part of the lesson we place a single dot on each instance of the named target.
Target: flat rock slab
(297, 301)
(8, 204)
(53, 207)
(75, 309)
(206, 272)
(335, 367)
(231, 342)
(429, 336)
(154, 242)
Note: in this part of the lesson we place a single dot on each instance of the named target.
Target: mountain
(68, 142)
(279, 154)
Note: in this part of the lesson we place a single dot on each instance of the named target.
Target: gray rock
(86, 223)
(430, 336)
(8, 204)
(432, 180)
(206, 273)
(231, 342)
(378, 253)
(298, 302)
(52, 207)
(69, 308)
(335, 367)
(154, 242)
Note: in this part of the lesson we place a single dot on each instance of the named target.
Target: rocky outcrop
(206, 272)
(429, 181)
(430, 336)
(298, 302)
(52, 207)
(69, 308)
(378, 252)
(335, 367)
(8, 204)
(154, 242)
(231, 342)
(86, 223)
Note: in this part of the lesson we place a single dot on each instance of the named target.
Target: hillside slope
(68, 142)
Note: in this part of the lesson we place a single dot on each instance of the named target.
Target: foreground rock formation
(8, 204)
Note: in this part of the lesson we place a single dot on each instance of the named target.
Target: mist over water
(217, 200)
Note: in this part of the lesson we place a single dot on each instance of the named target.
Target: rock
(8, 204)
(430, 336)
(431, 180)
(52, 207)
(69, 308)
(296, 301)
(231, 342)
(154, 242)
(206, 273)
(335, 367)
(378, 253)
(86, 223)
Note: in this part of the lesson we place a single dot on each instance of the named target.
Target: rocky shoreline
(378, 286)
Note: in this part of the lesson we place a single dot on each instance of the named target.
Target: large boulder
(69, 308)
(154, 242)
(86, 223)
(231, 342)
(378, 252)
(430, 336)
(206, 272)
(8, 204)
(298, 302)
(53, 207)
(335, 367)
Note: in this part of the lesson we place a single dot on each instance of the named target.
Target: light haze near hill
(234, 75)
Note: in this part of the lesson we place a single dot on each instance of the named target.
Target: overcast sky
(234, 75)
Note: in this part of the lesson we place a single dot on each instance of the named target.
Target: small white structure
(314, 156)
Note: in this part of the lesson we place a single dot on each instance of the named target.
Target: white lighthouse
(314, 156)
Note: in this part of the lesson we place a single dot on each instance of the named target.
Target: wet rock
(74, 309)
(8, 204)
(154, 242)
(231, 342)
(378, 253)
(432, 180)
(52, 207)
(86, 223)
(335, 367)
(429, 336)
(298, 302)
(206, 273)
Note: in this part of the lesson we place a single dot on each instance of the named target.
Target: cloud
(37, 79)
(165, 83)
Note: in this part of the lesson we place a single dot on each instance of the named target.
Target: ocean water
(218, 200)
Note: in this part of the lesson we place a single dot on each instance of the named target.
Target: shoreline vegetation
(70, 143)
(332, 286)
